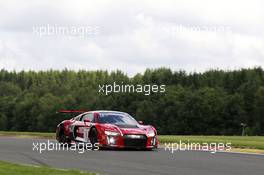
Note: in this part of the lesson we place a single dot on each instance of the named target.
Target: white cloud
(133, 35)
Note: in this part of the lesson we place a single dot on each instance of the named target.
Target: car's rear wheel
(61, 136)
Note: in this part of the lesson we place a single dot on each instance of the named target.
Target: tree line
(215, 102)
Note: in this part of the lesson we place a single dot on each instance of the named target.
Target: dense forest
(214, 102)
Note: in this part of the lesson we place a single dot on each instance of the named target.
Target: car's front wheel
(93, 137)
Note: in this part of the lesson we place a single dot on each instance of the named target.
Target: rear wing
(71, 111)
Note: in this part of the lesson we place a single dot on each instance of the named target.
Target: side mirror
(86, 121)
(140, 122)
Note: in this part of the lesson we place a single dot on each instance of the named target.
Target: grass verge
(242, 142)
(17, 169)
(27, 134)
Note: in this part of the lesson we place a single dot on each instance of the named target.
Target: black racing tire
(147, 149)
(61, 136)
(93, 137)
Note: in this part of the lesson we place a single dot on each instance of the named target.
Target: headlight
(111, 133)
(151, 133)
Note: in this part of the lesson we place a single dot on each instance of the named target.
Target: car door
(75, 122)
(84, 128)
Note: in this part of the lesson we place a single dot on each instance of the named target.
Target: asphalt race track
(129, 162)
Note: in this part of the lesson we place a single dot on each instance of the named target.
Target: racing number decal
(85, 134)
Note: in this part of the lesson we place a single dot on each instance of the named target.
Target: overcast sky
(131, 35)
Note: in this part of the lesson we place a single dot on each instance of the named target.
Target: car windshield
(117, 118)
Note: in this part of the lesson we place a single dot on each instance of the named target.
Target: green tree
(259, 112)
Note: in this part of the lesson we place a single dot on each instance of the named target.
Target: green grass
(16, 169)
(27, 134)
(252, 142)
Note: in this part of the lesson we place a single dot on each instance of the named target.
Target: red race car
(107, 129)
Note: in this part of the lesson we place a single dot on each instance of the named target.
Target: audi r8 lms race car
(107, 129)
